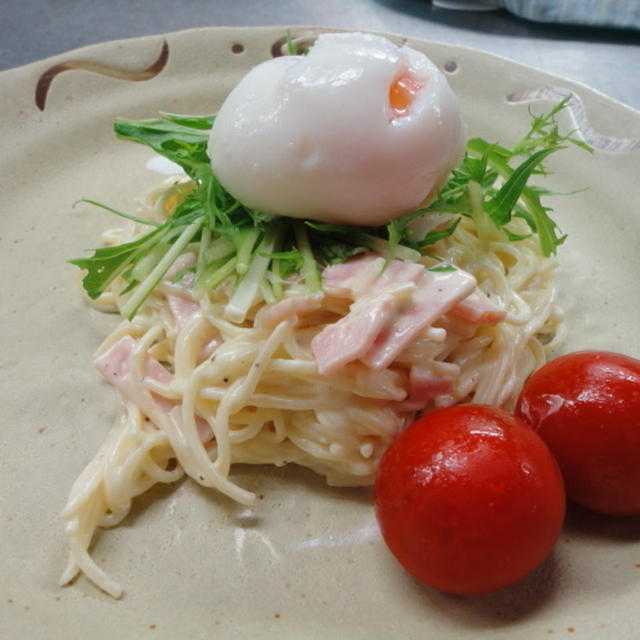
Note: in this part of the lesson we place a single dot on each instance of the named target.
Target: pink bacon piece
(182, 263)
(396, 274)
(436, 294)
(367, 275)
(352, 278)
(181, 309)
(115, 365)
(427, 382)
(352, 336)
(478, 309)
(449, 297)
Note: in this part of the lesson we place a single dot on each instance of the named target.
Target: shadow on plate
(587, 524)
(511, 605)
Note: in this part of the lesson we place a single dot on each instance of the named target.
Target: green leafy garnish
(486, 187)
(443, 266)
(127, 216)
(292, 50)
(292, 47)
(257, 250)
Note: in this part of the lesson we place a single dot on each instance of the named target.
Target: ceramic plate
(307, 561)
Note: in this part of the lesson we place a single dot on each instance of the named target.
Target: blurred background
(596, 42)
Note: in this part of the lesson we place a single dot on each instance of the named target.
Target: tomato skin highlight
(586, 407)
(469, 499)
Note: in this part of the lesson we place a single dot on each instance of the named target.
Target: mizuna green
(258, 249)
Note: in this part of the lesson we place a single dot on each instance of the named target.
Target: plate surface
(307, 561)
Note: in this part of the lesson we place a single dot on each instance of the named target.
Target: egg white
(317, 137)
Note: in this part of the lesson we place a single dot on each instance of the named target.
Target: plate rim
(6, 74)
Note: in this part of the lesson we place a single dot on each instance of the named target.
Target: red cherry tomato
(469, 499)
(586, 407)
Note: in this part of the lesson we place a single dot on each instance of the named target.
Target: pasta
(203, 393)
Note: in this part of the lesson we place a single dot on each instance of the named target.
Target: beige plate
(306, 562)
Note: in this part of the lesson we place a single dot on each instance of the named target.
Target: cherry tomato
(586, 407)
(469, 499)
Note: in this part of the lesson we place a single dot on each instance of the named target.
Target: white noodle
(263, 399)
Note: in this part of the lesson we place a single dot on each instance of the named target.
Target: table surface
(605, 59)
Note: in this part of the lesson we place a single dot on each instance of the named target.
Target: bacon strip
(436, 294)
(115, 365)
(381, 324)
(352, 336)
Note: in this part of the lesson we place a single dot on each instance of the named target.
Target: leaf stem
(132, 305)
(480, 218)
(149, 260)
(205, 239)
(245, 295)
(249, 239)
(309, 264)
(218, 274)
(127, 216)
(399, 251)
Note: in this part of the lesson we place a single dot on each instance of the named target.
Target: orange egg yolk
(402, 93)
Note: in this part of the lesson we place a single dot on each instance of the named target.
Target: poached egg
(358, 132)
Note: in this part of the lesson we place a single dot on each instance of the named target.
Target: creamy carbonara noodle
(324, 380)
